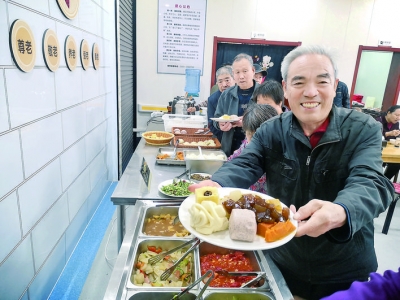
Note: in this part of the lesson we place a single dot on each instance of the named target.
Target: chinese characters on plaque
(23, 49)
(181, 33)
(51, 50)
(22, 45)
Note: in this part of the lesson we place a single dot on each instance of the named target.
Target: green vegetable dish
(177, 189)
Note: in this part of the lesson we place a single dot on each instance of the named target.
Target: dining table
(391, 153)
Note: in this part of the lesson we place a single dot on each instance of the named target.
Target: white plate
(225, 120)
(166, 182)
(222, 238)
(202, 174)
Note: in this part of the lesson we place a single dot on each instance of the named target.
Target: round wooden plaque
(69, 8)
(51, 50)
(22, 45)
(71, 53)
(85, 54)
(95, 56)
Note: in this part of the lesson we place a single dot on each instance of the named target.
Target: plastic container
(192, 81)
(190, 121)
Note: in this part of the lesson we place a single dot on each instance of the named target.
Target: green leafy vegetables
(179, 188)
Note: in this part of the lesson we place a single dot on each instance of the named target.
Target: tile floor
(387, 249)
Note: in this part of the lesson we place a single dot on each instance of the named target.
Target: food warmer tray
(168, 161)
(121, 287)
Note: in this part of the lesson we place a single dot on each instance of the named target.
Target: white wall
(58, 145)
(341, 24)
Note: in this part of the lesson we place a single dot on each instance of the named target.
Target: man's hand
(238, 123)
(225, 126)
(394, 132)
(318, 216)
(203, 183)
(191, 109)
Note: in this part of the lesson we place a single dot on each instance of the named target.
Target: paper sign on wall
(51, 50)
(181, 33)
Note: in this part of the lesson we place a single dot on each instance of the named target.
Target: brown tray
(191, 138)
(191, 131)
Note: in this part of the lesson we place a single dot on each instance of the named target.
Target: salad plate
(177, 191)
(222, 238)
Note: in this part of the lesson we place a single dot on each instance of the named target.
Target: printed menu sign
(22, 45)
(181, 33)
(145, 171)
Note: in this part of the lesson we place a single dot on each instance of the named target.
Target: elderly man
(234, 101)
(325, 162)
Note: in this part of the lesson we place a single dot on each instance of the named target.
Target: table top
(391, 154)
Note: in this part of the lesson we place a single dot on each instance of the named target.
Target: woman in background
(390, 130)
(253, 117)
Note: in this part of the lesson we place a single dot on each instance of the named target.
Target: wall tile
(95, 111)
(5, 55)
(74, 124)
(97, 168)
(75, 230)
(88, 16)
(10, 160)
(97, 194)
(63, 30)
(49, 230)
(41, 142)
(73, 162)
(39, 5)
(48, 275)
(30, 95)
(36, 22)
(95, 141)
(10, 231)
(90, 79)
(78, 193)
(68, 87)
(38, 194)
(17, 271)
(4, 125)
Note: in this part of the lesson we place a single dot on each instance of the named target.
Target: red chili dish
(232, 262)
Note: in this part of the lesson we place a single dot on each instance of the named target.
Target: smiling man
(325, 162)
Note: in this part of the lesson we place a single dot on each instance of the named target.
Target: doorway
(377, 76)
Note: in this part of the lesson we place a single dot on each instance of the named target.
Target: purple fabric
(386, 287)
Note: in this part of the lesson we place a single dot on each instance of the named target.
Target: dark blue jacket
(342, 98)
(211, 107)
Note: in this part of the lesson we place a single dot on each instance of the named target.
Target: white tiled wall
(57, 145)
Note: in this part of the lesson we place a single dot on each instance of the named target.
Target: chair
(392, 205)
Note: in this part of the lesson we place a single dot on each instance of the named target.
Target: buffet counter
(132, 190)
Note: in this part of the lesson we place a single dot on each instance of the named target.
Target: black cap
(258, 69)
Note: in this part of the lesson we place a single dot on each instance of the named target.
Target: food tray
(169, 161)
(158, 210)
(191, 131)
(189, 121)
(209, 166)
(197, 139)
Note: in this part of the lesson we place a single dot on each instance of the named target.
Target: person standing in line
(270, 92)
(342, 98)
(259, 74)
(325, 163)
(234, 101)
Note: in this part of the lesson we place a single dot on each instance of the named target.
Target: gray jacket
(345, 168)
(228, 104)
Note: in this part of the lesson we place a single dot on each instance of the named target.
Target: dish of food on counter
(179, 155)
(145, 274)
(221, 264)
(162, 225)
(175, 189)
(200, 176)
(211, 156)
(238, 219)
(207, 143)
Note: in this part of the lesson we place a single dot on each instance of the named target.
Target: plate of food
(179, 189)
(226, 118)
(237, 230)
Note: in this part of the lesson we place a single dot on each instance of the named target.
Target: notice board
(181, 34)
